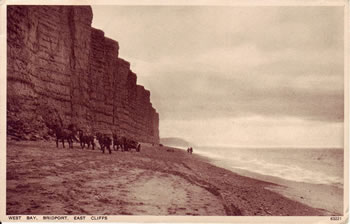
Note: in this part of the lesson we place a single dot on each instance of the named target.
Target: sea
(308, 165)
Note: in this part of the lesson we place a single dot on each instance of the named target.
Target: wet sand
(321, 196)
(43, 179)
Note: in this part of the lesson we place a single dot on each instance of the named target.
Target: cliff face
(61, 70)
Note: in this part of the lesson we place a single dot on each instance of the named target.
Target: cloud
(152, 32)
(208, 67)
(223, 83)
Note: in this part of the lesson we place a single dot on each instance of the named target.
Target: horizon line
(271, 146)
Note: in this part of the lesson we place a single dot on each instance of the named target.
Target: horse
(62, 135)
(86, 139)
(104, 141)
(117, 142)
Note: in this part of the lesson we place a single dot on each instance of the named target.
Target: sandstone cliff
(61, 70)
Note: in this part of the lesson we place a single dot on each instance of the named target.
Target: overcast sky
(238, 76)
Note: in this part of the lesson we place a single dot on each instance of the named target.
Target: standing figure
(104, 141)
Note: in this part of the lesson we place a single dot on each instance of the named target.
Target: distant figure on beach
(189, 150)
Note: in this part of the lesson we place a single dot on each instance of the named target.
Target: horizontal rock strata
(61, 70)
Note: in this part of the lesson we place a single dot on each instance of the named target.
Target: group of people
(104, 140)
(190, 150)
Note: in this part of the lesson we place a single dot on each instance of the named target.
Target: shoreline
(321, 196)
(42, 179)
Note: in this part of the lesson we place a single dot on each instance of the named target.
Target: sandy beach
(43, 179)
